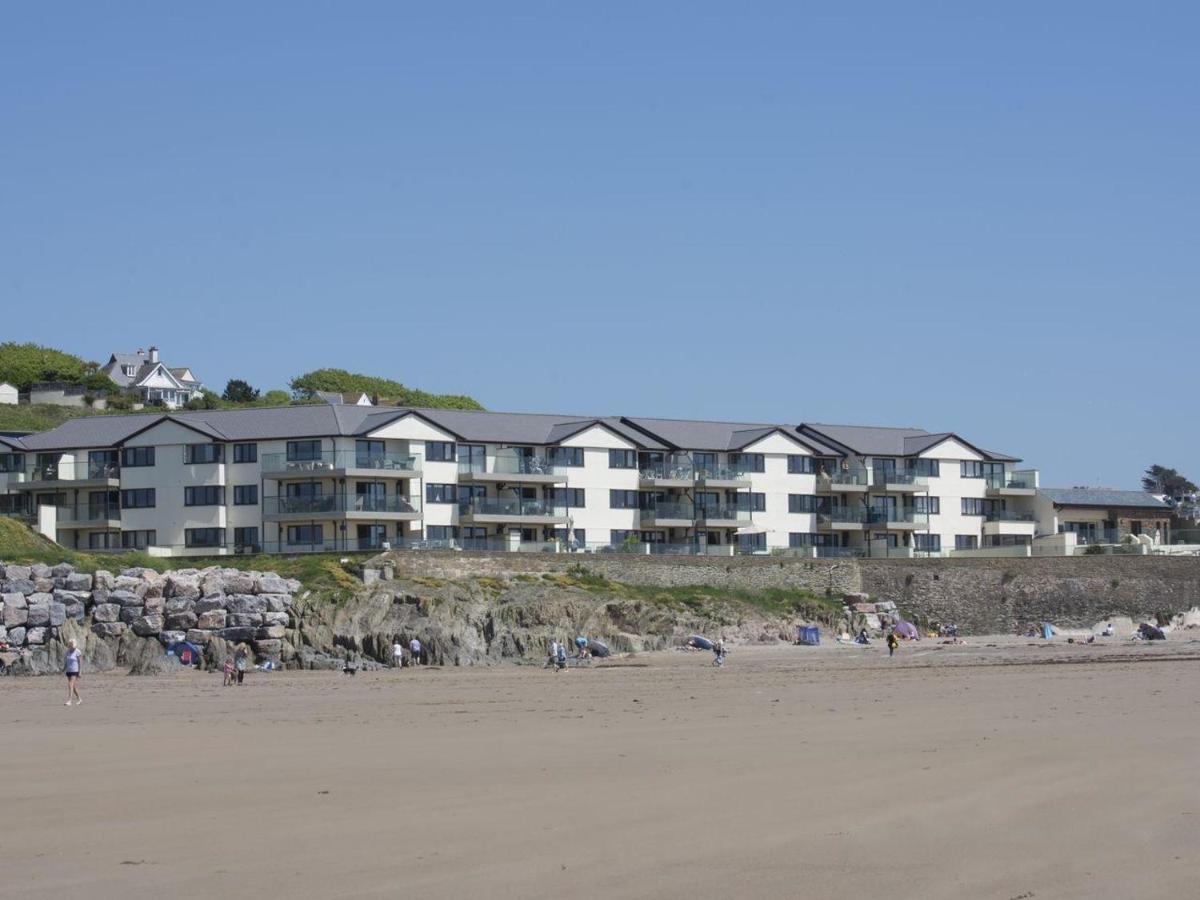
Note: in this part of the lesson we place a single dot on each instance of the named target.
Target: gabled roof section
(377, 419)
(148, 370)
(1103, 497)
(12, 443)
(875, 440)
(194, 424)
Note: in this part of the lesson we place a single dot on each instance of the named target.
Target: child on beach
(719, 652)
(227, 668)
(560, 660)
(892, 643)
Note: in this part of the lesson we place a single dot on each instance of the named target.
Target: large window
(807, 503)
(440, 451)
(441, 493)
(12, 462)
(929, 505)
(808, 465)
(622, 459)
(752, 543)
(246, 537)
(808, 539)
(368, 453)
(139, 540)
(441, 532)
(927, 543)
(565, 456)
(966, 542)
(305, 534)
(133, 457)
(972, 506)
(204, 537)
(245, 494)
(199, 454)
(204, 495)
(472, 458)
(137, 498)
(303, 451)
(621, 535)
(104, 540)
(572, 498)
(929, 468)
(971, 468)
(747, 462)
(245, 453)
(622, 499)
(753, 501)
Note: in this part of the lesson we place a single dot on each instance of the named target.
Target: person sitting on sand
(862, 637)
(1108, 631)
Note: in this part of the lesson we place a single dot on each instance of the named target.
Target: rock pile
(203, 606)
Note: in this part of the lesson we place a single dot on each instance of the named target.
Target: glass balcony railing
(898, 515)
(328, 504)
(512, 507)
(672, 469)
(852, 514)
(722, 513)
(720, 473)
(684, 511)
(1011, 480)
(329, 460)
(83, 515)
(850, 476)
(73, 471)
(1008, 515)
(514, 465)
(893, 476)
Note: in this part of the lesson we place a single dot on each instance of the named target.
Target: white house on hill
(150, 380)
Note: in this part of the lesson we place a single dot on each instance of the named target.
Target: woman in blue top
(71, 668)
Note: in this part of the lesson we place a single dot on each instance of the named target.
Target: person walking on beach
(227, 671)
(560, 657)
(719, 652)
(397, 654)
(892, 643)
(71, 665)
(239, 663)
(414, 647)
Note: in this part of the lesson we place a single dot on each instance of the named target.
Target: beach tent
(187, 652)
(809, 635)
(596, 648)
(700, 643)
(906, 630)
(1047, 630)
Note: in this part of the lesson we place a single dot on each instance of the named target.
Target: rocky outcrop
(134, 615)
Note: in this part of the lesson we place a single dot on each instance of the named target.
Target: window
(246, 537)
(138, 540)
(12, 462)
(621, 535)
(303, 451)
(927, 543)
(562, 534)
(565, 456)
(368, 453)
(303, 489)
(440, 451)
(204, 537)
(929, 505)
(929, 468)
(205, 495)
(750, 502)
(133, 457)
(137, 498)
(104, 540)
(704, 463)
(809, 465)
(807, 503)
(129, 371)
(472, 458)
(622, 459)
(972, 506)
(752, 543)
(103, 464)
(808, 539)
(570, 497)
(198, 454)
(441, 493)
(1008, 540)
(441, 532)
(305, 534)
(245, 453)
(971, 468)
(966, 542)
(747, 462)
(622, 499)
(245, 494)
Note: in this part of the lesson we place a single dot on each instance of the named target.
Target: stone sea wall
(40, 605)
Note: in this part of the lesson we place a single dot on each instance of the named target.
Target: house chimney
(153, 354)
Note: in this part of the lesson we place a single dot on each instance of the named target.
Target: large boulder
(178, 605)
(16, 636)
(41, 570)
(77, 581)
(199, 636)
(39, 609)
(235, 582)
(276, 602)
(109, 629)
(131, 584)
(270, 583)
(64, 595)
(167, 638)
(208, 604)
(125, 597)
(16, 609)
(106, 612)
(149, 664)
(154, 605)
(276, 618)
(22, 586)
(182, 587)
(129, 613)
(36, 635)
(211, 583)
(269, 649)
(182, 620)
(237, 635)
(104, 580)
(239, 620)
(213, 619)
(16, 573)
(245, 604)
(147, 626)
(271, 633)
(58, 614)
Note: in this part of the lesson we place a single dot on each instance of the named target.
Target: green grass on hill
(317, 572)
(43, 416)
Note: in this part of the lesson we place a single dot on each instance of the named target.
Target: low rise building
(335, 477)
(1103, 515)
(149, 380)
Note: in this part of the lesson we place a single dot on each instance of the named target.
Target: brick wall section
(997, 596)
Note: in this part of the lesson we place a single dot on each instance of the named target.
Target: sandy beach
(1015, 770)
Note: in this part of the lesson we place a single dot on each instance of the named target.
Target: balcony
(341, 464)
(669, 515)
(722, 516)
(899, 482)
(341, 506)
(1012, 484)
(675, 471)
(844, 481)
(1009, 522)
(721, 477)
(507, 467)
(499, 510)
(897, 518)
(107, 517)
(842, 518)
(59, 475)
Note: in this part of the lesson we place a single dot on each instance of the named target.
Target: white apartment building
(334, 477)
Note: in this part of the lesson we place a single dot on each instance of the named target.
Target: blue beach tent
(809, 635)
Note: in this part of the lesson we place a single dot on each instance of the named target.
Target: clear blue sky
(965, 218)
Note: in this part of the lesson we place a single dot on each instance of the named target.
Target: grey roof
(875, 440)
(694, 434)
(115, 369)
(1102, 497)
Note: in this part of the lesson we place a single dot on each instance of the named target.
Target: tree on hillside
(238, 391)
(1161, 480)
(340, 381)
(276, 398)
(23, 364)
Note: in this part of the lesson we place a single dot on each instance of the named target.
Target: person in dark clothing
(892, 643)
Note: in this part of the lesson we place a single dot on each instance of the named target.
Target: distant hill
(24, 364)
(339, 381)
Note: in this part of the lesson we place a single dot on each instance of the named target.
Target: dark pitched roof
(1102, 497)
(876, 440)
